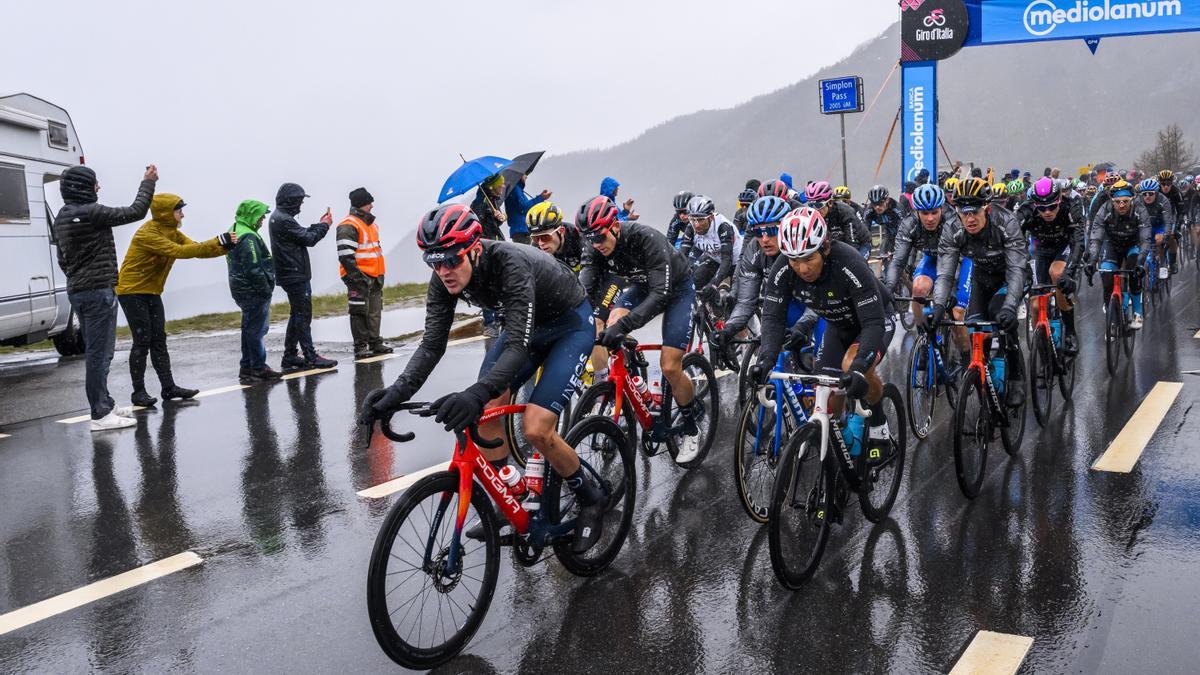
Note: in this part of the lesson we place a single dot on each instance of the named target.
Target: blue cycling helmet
(1148, 185)
(928, 197)
(769, 209)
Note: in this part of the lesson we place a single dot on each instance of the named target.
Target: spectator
(290, 242)
(516, 206)
(361, 269)
(251, 282)
(787, 180)
(487, 206)
(87, 256)
(609, 188)
(151, 255)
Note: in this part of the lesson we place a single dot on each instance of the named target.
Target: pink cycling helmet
(818, 192)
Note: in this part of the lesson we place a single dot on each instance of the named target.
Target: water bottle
(512, 478)
(535, 471)
(655, 395)
(853, 434)
(644, 391)
(1056, 331)
(998, 373)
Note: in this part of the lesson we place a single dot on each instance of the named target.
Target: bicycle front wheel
(756, 456)
(972, 432)
(801, 500)
(1041, 380)
(881, 479)
(1113, 330)
(923, 388)
(423, 611)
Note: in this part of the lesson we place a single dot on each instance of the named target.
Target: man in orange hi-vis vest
(361, 268)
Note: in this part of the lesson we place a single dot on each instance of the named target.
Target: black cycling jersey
(1065, 230)
(642, 256)
(912, 236)
(1121, 233)
(997, 252)
(888, 223)
(571, 251)
(529, 285)
(845, 225)
(1176, 199)
(675, 229)
(716, 244)
(1161, 212)
(846, 294)
(752, 270)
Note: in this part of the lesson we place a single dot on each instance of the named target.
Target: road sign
(841, 95)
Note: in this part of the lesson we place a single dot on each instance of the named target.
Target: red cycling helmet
(596, 215)
(447, 230)
(774, 188)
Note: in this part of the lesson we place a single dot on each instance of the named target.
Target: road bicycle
(1118, 314)
(812, 485)
(981, 409)
(1048, 360)
(931, 368)
(429, 588)
(649, 411)
(1158, 280)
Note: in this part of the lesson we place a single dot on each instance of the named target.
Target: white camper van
(37, 143)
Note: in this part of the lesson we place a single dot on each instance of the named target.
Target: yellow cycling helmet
(841, 193)
(543, 217)
(951, 184)
(971, 192)
(1166, 176)
(999, 191)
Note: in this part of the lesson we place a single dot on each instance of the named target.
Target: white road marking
(19, 618)
(993, 654)
(1123, 453)
(87, 418)
(463, 341)
(1197, 335)
(222, 390)
(306, 373)
(401, 483)
(5, 435)
(721, 372)
(374, 359)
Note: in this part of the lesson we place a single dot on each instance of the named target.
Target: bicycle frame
(785, 394)
(825, 386)
(1045, 295)
(978, 367)
(623, 388)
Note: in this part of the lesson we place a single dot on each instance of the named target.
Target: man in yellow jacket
(156, 246)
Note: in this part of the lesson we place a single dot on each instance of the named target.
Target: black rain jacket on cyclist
(715, 250)
(1121, 233)
(888, 223)
(912, 237)
(571, 251)
(846, 294)
(1055, 235)
(529, 285)
(752, 269)
(1176, 199)
(1103, 195)
(675, 229)
(845, 225)
(642, 256)
(998, 254)
(1162, 213)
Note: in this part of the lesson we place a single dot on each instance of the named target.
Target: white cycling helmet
(802, 233)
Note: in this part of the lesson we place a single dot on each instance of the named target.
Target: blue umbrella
(470, 175)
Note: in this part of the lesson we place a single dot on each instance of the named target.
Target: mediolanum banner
(918, 87)
(1001, 21)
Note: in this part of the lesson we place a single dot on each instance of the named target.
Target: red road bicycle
(1047, 359)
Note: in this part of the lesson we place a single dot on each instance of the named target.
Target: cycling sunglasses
(818, 205)
(545, 236)
(450, 263)
(772, 231)
(598, 237)
(1122, 201)
(1047, 208)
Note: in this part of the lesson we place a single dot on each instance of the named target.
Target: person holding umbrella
(486, 206)
(516, 202)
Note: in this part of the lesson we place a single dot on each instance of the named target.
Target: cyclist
(549, 233)
(1016, 194)
(841, 220)
(679, 221)
(836, 284)
(999, 195)
(659, 282)
(1166, 181)
(1162, 223)
(712, 243)
(921, 233)
(882, 213)
(745, 199)
(1054, 223)
(1121, 236)
(548, 324)
(992, 239)
(842, 194)
(1102, 195)
(778, 188)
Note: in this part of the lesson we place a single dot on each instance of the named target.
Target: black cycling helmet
(877, 194)
(774, 188)
(681, 200)
(747, 196)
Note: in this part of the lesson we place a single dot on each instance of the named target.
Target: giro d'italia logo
(1043, 16)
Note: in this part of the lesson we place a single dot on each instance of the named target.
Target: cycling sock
(1068, 318)
(1137, 303)
(584, 489)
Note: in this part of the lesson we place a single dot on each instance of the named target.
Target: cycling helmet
(543, 217)
(950, 184)
(1121, 189)
(1045, 191)
(1189, 178)
(768, 209)
(802, 232)
(596, 215)
(1197, 180)
(701, 206)
(972, 192)
(841, 193)
(776, 188)
(928, 197)
(1110, 178)
(747, 196)
(1148, 185)
(1166, 176)
(818, 191)
(877, 194)
(999, 192)
(681, 200)
(447, 230)
(1016, 187)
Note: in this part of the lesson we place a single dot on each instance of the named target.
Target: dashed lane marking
(79, 597)
(993, 654)
(306, 373)
(4, 435)
(1123, 453)
(463, 341)
(1197, 335)
(375, 359)
(87, 418)
(401, 483)
(222, 390)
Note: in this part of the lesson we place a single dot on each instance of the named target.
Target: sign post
(839, 96)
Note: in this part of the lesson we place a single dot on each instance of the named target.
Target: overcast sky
(231, 99)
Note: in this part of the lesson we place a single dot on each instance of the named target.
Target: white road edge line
(1197, 335)
(306, 373)
(19, 618)
(222, 390)
(87, 418)
(463, 341)
(401, 483)
(1123, 453)
(374, 359)
(5, 435)
(993, 654)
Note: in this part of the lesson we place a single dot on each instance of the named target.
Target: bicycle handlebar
(923, 300)
(424, 409)
(834, 383)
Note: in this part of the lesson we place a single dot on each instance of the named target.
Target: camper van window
(57, 136)
(14, 195)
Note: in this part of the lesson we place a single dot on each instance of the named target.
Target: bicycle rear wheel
(881, 483)
(923, 388)
(421, 612)
(1113, 329)
(745, 387)
(756, 456)
(798, 521)
(972, 433)
(514, 429)
(1041, 376)
(706, 390)
(1128, 334)
(600, 399)
(1012, 435)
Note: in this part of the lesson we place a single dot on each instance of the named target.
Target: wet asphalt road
(1098, 568)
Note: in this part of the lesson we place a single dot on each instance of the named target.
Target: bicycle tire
(872, 476)
(800, 454)
(1066, 379)
(1112, 334)
(1012, 435)
(518, 446)
(745, 387)
(702, 372)
(599, 400)
(972, 434)
(622, 491)
(1041, 377)
(754, 486)
(1129, 334)
(921, 421)
(400, 650)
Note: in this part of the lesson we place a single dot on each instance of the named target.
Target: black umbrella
(522, 165)
(1103, 166)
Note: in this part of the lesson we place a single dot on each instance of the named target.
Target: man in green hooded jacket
(251, 281)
